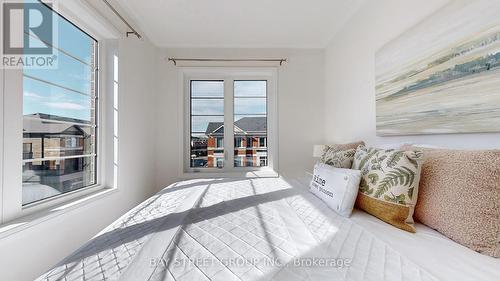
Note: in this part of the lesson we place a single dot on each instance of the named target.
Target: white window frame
(229, 75)
(11, 207)
(2, 145)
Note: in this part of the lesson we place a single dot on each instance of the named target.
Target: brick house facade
(250, 143)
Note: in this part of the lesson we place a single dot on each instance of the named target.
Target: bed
(262, 229)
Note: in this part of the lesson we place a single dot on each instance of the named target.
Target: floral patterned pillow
(389, 184)
(338, 159)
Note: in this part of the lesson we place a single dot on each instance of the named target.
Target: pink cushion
(459, 196)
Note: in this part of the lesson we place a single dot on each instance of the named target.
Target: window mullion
(228, 123)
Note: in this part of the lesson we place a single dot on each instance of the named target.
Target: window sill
(28, 221)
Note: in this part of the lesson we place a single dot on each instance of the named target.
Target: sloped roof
(212, 126)
(252, 124)
(53, 117)
(39, 123)
(246, 124)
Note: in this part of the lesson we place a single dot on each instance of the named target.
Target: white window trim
(229, 75)
(2, 108)
(12, 214)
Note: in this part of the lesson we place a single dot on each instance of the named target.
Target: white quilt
(262, 229)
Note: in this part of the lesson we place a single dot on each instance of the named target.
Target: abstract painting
(443, 75)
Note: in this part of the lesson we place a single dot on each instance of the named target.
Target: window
(262, 142)
(60, 118)
(220, 162)
(250, 115)
(263, 161)
(216, 102)
(238, 161)
(238, 142)
(249, 161)
(220, 142)
(27, 150)
(71, 142)
(207, 123)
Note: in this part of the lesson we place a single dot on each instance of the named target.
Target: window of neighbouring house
(27, 150)
(263, 161)
(60, 118)
(220, 142)
(262, 142)
(238, 142)
(239, 160)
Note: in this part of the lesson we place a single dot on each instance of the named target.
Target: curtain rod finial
(173, 60)
(135, 33)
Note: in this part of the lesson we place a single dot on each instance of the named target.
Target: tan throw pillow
(340, 155)
(389, 184)
(339, 159)
(343, 146)
(460, 197)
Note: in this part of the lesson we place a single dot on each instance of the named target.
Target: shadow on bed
(198, 214)
(122, 235)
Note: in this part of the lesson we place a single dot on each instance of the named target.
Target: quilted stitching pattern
(371, 259)
(211, 233)
(107, 256)
(240, 221)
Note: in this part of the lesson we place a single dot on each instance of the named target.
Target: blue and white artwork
(443, 75)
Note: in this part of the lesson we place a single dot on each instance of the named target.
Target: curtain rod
(175, 60)
(123, 20)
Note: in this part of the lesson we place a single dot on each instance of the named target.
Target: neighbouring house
(53, 147)
(250, 143)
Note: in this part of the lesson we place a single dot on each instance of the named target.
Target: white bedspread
(263, 229)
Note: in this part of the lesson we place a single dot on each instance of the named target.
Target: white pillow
(338, 188)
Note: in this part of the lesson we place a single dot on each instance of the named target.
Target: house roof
(40, 123)
(213, 126)
(252, 124)
(246, 124)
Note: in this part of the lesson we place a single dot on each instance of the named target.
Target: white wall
(350, 76)
(26, 254)
(300, 106)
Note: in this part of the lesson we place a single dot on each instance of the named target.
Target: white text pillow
(338, 188)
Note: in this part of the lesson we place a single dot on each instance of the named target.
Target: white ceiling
(240, 23)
